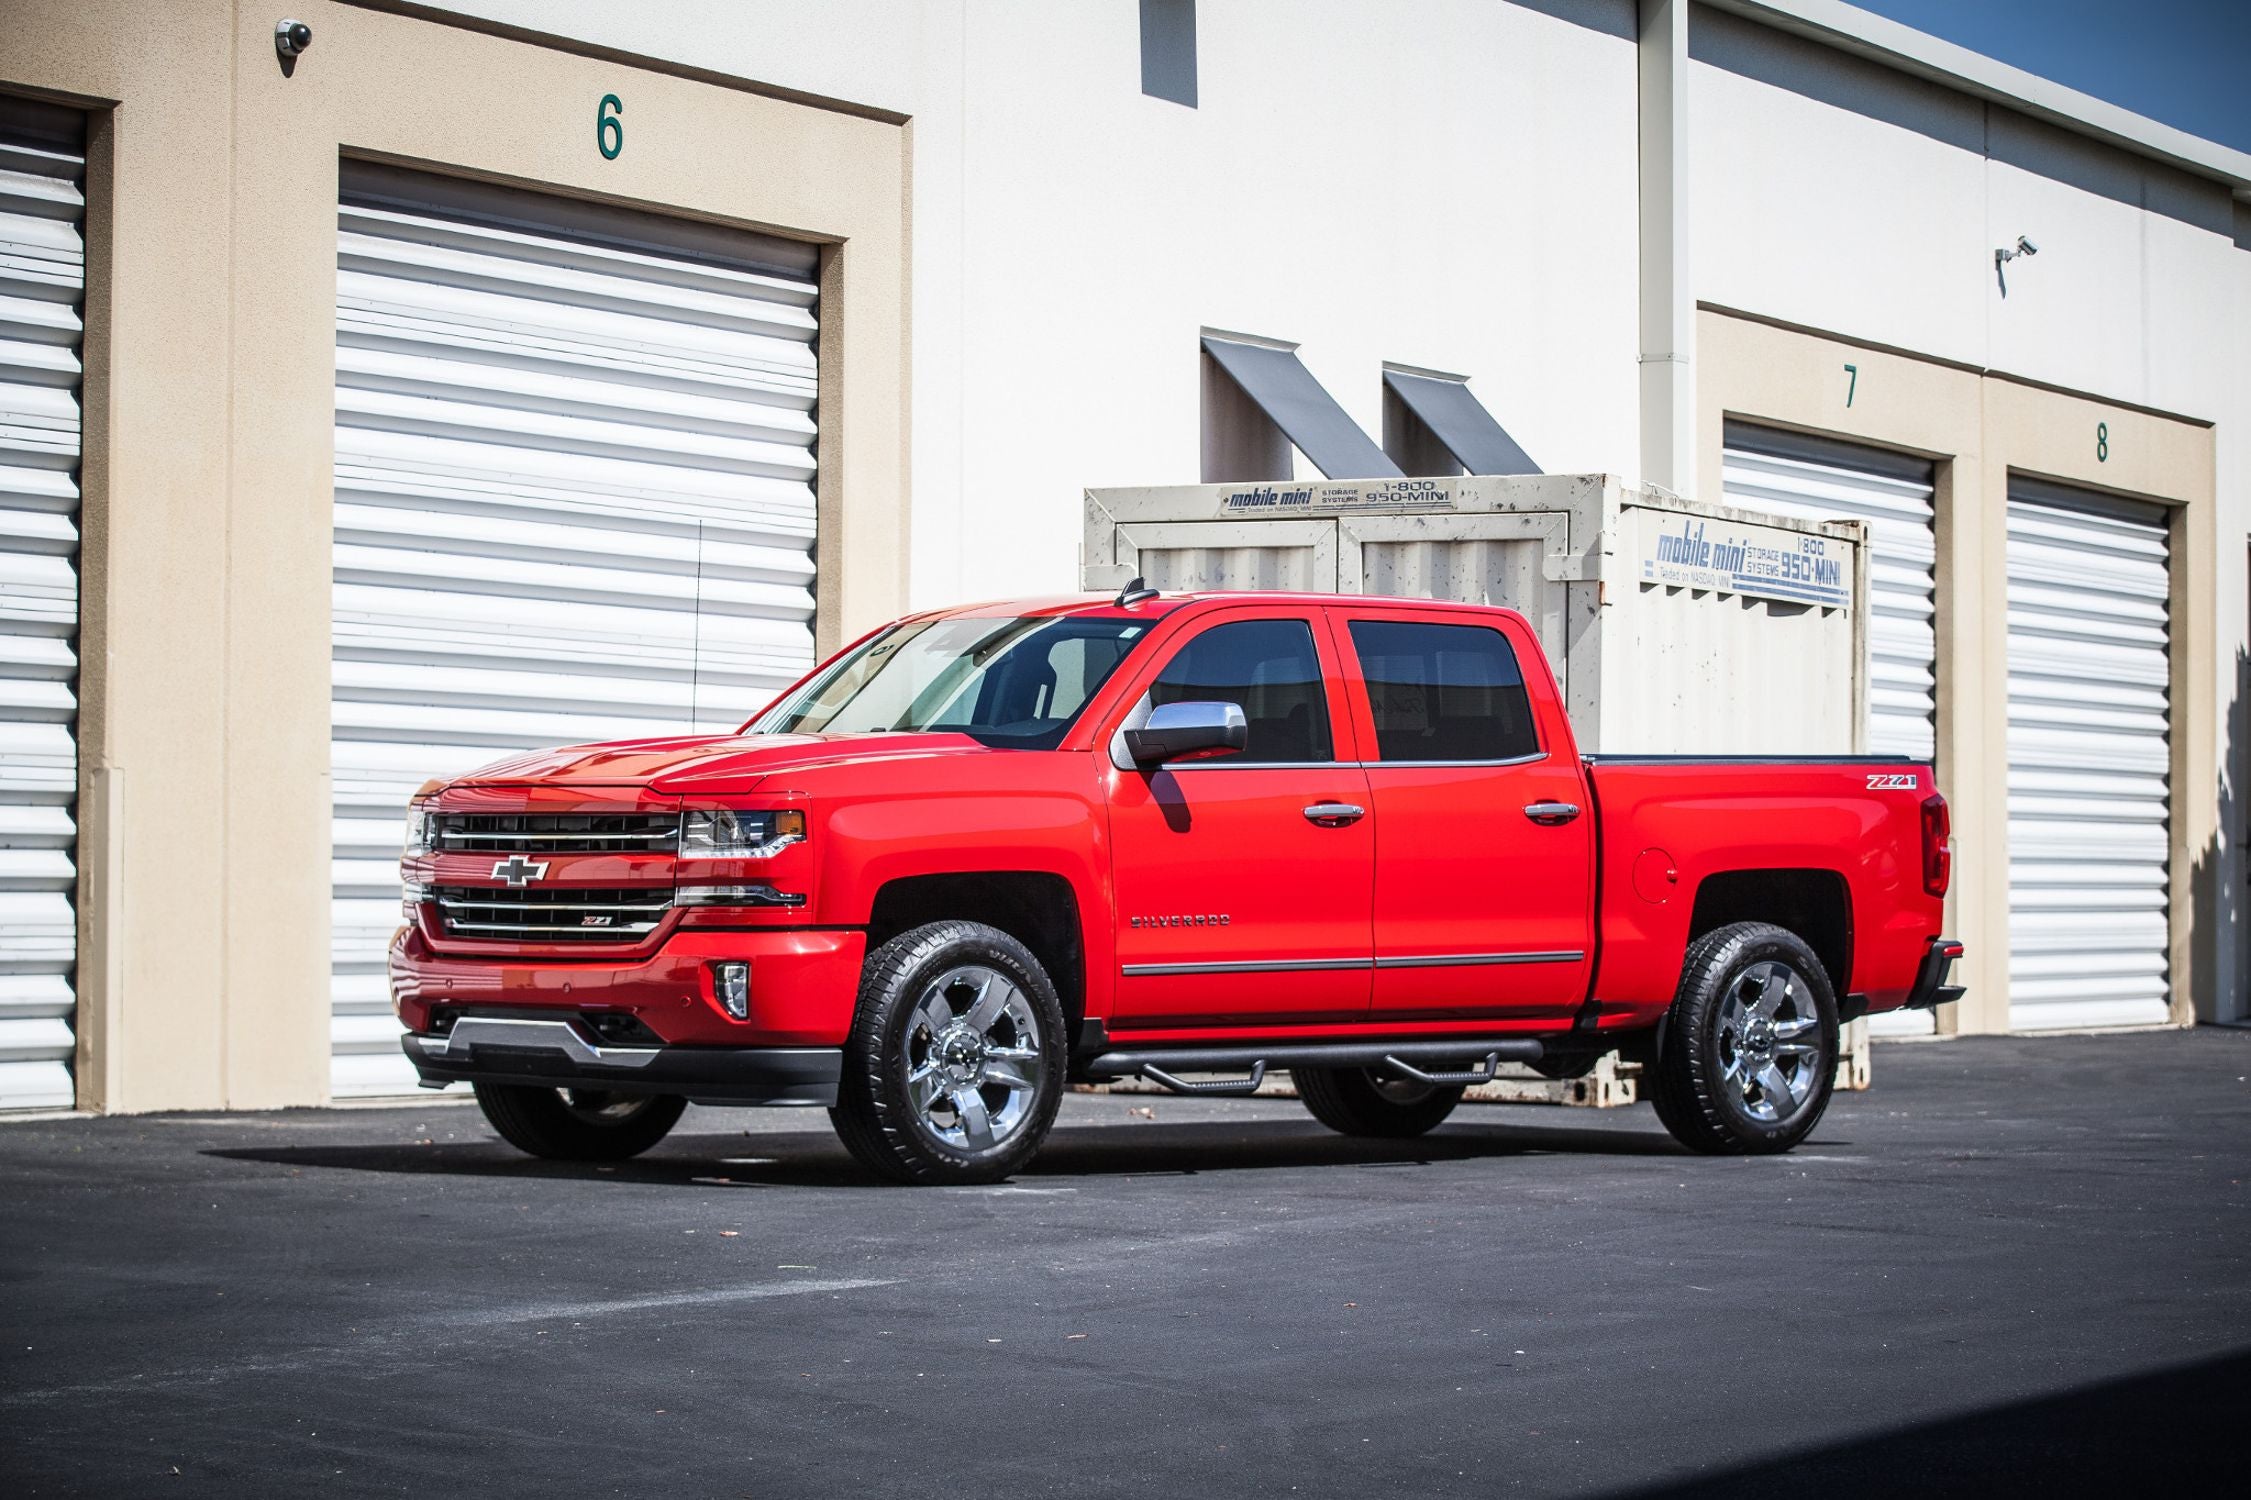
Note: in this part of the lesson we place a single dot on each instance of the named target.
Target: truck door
(1484, 850)
(1243, 882)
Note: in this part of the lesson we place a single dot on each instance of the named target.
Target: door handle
(1334, 814)
(1551, 814)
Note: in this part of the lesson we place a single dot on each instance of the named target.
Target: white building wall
(1840, 220)
(1455, 193)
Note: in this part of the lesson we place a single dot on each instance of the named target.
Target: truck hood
(713, 765)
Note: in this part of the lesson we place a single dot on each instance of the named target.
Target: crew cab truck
(984, 852)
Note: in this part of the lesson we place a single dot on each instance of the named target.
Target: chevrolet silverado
(985, 852)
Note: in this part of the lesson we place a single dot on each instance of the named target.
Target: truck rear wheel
(955, 1065)
(578, 1124)
(1367, 1101)
(1750, 1048)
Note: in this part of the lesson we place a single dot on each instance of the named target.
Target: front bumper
(1931, 988)
(557, 1052)
(804, 983)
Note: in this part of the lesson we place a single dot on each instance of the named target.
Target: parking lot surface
(2011, 1265)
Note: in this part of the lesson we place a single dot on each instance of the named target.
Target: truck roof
(1162, 604)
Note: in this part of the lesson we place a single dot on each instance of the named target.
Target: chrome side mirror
(1188, 731)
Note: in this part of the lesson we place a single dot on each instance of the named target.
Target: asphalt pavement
(2013, 1266)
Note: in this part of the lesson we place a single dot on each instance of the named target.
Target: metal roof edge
(1848, 28)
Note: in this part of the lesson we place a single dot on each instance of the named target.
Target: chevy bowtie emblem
(518, 871)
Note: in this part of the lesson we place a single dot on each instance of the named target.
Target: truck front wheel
(578, 1124)
(1363, 1101)
(1750, 1049)
(955, 1064)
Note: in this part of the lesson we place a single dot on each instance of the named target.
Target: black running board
(1475, 1059)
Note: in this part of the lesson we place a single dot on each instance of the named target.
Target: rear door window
(1444, 692)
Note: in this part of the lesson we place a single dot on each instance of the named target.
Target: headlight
(732, 833)
(421, 829)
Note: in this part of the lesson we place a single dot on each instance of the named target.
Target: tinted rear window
(1444, 692)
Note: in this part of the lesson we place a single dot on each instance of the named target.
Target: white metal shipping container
(1673, 627)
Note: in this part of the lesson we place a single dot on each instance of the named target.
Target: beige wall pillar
(1978, 428)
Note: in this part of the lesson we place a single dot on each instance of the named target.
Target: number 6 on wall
(609, 130)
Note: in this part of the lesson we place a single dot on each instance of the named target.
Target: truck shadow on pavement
(814, 1159)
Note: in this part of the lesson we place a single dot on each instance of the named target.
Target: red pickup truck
(985, 852)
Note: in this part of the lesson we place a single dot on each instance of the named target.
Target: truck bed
(1773, 834)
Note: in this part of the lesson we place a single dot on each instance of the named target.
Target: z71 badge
(1891, 783)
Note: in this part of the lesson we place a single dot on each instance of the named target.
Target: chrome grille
(557, 833)
(553, 914)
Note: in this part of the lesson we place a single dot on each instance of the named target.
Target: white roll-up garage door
(2090, 760)
(42, 287)
(1823, 481)
(1814, 479)
(574, 501)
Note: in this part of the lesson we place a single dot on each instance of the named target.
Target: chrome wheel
(972, 1058)
(1769, 1039)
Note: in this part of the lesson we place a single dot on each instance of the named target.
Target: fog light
(731, 980)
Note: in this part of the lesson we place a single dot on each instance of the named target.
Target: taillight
(1938, 857)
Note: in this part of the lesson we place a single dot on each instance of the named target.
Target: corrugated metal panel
(574, 501)
(1187, 555)
(1502, 560)
(42, 287)
(2090, 760)
(1682, 674)
(1790, 475)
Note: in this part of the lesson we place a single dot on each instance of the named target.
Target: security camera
(292, 37)
(2003, 256)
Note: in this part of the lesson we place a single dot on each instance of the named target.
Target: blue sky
(2185, 62)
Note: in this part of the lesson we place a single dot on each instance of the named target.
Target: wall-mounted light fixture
(2001, 258)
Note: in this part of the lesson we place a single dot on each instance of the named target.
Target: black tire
(1725, 1086)
(1367, 1101)
(910, 1109)
(578, 1124)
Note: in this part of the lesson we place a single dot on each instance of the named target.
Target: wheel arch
(1038, 908)
(1816, 904)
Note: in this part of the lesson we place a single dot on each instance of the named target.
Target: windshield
(1014, 683)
